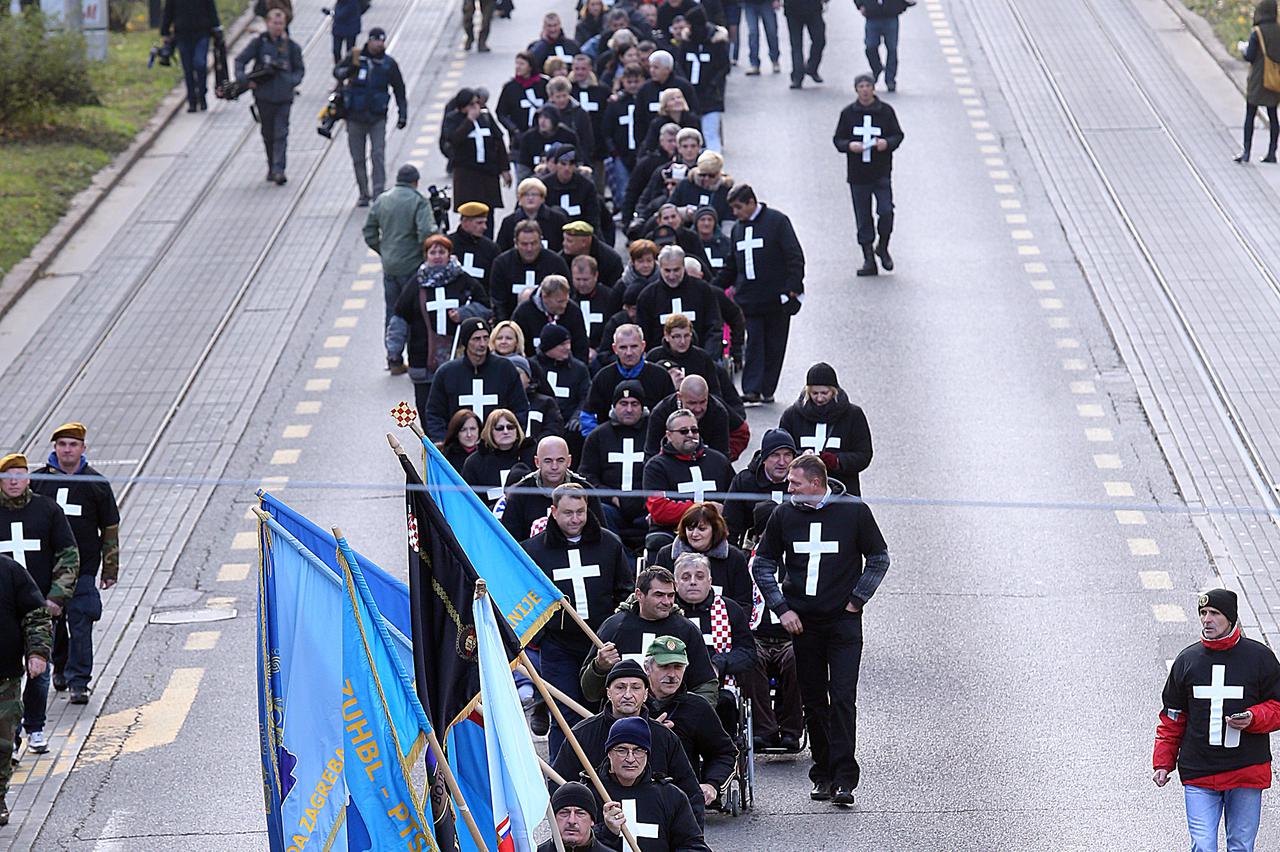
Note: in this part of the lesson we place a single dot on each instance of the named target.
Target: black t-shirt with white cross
(90, 507)
(34, 536)
(658, 814)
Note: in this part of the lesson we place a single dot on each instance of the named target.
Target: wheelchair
(737, 794)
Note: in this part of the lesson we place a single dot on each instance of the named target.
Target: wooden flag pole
(572, 612)
(555, 827)
(563, 698)
(551, 774)
(572, 740)
(449, 781)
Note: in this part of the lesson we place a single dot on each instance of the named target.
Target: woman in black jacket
(504, 456)
(462, 439)
(1263, 45)
(823, 421)
(702, 529)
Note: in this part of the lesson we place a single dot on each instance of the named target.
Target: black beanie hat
(1224, 601)
(469, 327)
(626, 668)
(551, 336)
(821, 373)
(631, 388)
(577, 795)
(774, 440)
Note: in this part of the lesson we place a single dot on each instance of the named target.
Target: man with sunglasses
(684, 472)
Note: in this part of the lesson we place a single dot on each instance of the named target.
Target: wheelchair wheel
(747, 778)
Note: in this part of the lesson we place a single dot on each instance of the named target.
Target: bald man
(529, 500)
(712, 416)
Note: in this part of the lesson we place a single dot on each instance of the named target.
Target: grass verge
(1231, 19)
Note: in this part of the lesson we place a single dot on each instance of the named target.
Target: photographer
(368, 73)
(273, 51)
(187, 25)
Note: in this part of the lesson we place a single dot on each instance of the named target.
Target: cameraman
(368, 71)
(276, 53)
(187, 25)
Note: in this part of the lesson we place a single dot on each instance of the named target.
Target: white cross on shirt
(630, 121)
(695, 61)
(628, 458)
(568, 206)
(819, 441)
(478, 133)
(577, 573)
(869, 133)
(469, 267)
(556, 390)
(532, 103)
(18, 546)
(697, 486)
(588, 318)
(71, 510)
(440, 306)
(748, 245)
(814, 547)
(496, 492)
(530, 280)
(1217, 691)
(638, 829)
(646, 639)
(584, 101)
(478, 400)
(677, 307)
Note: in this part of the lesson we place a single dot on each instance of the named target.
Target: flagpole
(555, 827)
(564, 699)
(442, 766)
(572, 612)
(572, 740)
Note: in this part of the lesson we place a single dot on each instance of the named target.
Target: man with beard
(613, 457)
(816, 547)
(529, 500)
(867, 134)
(565, 377)
(478, 380)
(550, 306)
(521, 268)
(766, 272)
(597, 301)
(684, 466)
(703, 57)
(692, 395)
(677, 346)
(531, 197)
(580, 240)
(677, 293)
(824, 422)
(591, 567)
(711, 752)
(628, 346)
(628, 633)
(576, 813)
(368, 74)
(475, 251)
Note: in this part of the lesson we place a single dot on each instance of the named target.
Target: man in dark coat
(188, 25)
(552, 42)
(693, 395)
(475, 251)
(576, 813)
(569, 190)
(764, 476)
(613, 457)
(529, 500)
(628, 346)
(580, 239)
(766, 272)
(591, 568)
(677, 347)
(478, 380)
(549, 305)
(676, 292)
(90, 507)
(479, 158)
(273, 51)
(520, 268)
(564, 376)
(662, 75)
(367, 73)
(823, 421)
(703, 59)
(867, 134)
(684, 466)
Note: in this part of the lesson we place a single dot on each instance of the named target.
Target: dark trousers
(421, 393)
(486, 17)
(193, 51)
(73, 634)
(797, 22)
(886, 30)
(1251, 113)
(342, 45)
(766, 348)
(275, 133)
(882, 192)
(35, 701)
(559, 667)
(782, 712)
(10, 718)
(828, 654)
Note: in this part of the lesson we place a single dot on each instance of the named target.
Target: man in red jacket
(1221, 700)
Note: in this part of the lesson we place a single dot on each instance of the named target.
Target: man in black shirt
(867, 134)
(25, 636)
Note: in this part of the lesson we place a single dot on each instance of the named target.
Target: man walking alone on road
(867, 134)
(273, 96)
(1221, 700)
(368, 73)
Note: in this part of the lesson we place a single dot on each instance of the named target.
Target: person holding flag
(577, 815)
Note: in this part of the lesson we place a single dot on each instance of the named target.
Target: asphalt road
(1014, 653)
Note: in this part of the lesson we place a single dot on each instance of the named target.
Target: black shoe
(203, 104)
(813, 75)
(868, 262)
(842, 795)
(80, 695)
(751, 399)
(191, 106)
(788, 743)
(760, 743)
(882, 251)
(1243, 158)
(482, 48)
(539, 720)
(60, 682)
(893, 87)
(821, 791)
(363, 202)
(797, 84)
(4, 812)
(1270, 158)
(466, 45)
(281, 180)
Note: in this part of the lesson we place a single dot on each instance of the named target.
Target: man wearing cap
(683, 472)
(715, 245)
(24, 623)
(35, 533)
(579, 241)
(597, 301)
(1221, 701)
(478, 154)
(531, 196)
(660, 815)
(809, 566)
(868, 133)
(613, 457)
(395, 228)
(577, 812)
(521, 268)
(766, 272)
(477, 379)
(625, 691)
(90, 507)
(693, 394)
(367, 73)
(711, 752)
(628, 347)
(675, 292)
(570, 191)
(823, 421)
(529, 499)
(591, 568)
(565, 376)
(472, 246)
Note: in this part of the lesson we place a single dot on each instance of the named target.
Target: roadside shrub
(41, 69)
(119, 13)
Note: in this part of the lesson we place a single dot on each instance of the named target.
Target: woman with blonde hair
(504, 456)
(506, 339)
(672, 109)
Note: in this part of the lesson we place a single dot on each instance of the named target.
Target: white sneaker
(38, 742)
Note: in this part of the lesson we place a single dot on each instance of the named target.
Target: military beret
(70, 430)
(473, 208)
(578, 228)
(13, 460)
(665, 650)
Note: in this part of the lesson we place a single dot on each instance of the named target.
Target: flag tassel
(541, 686)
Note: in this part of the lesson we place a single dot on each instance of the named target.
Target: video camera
(440, 204)
(162, 52)
(233, 89)
(333, 111)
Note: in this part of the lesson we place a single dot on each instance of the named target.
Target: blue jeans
(1206, 808)
(885, 29)
(732, 18)
(35, 701)
(761, 13)
(392, 285)
(882, 192)
(83, 610)
(711, 130)
(194, 53)
(618, 176)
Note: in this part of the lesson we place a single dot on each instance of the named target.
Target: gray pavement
(1027, 350)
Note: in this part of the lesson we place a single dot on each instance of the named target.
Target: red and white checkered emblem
(413, 532)
(404, 414)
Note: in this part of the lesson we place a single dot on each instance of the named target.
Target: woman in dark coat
(519, 100)
(672, 109)
(702, 529)
(823, 421)
(503, 450)
(478, 154)
(1264, 43)
(462, 439)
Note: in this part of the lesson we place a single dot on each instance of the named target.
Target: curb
(30, 269)
(1236, 69)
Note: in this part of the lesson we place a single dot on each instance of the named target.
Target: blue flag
(469, 757)
(385, 726)
(519, 588)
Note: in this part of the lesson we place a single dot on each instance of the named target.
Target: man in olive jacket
(399, 220)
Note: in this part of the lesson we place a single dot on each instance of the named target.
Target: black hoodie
(841, 429)
(863, 169)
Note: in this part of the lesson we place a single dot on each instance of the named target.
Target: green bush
(41, 69)
(119, 12)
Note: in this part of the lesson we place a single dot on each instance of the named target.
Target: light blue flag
(470, 761)
(299, 695)
(519, 588)
(518, 794)
(385, 727)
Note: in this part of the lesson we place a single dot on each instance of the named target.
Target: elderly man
(662, 76)
(628, 346)
(695, 396)
(577, 812)
(529, 500)
(710, 750)
(550, 305)
(531, 198)
(626, 689)
(477, 379)
(471, 245)
(685, 471)
(613, 457)
(522, 268)
(675, 292)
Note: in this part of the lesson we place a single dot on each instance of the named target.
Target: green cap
(666, 650)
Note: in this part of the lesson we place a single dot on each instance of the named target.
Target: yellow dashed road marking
(319, 384)
(1089, 409)
(1144, 547)
(1098, 435)
(328, 362)
(202, 640)
(337, 341)
(307, 406)
(1130, 517)
(346, 322)
(288, 456)
(361, 285)
(233, 572)
(1115, 488)
(297, 430)
(247, 540)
